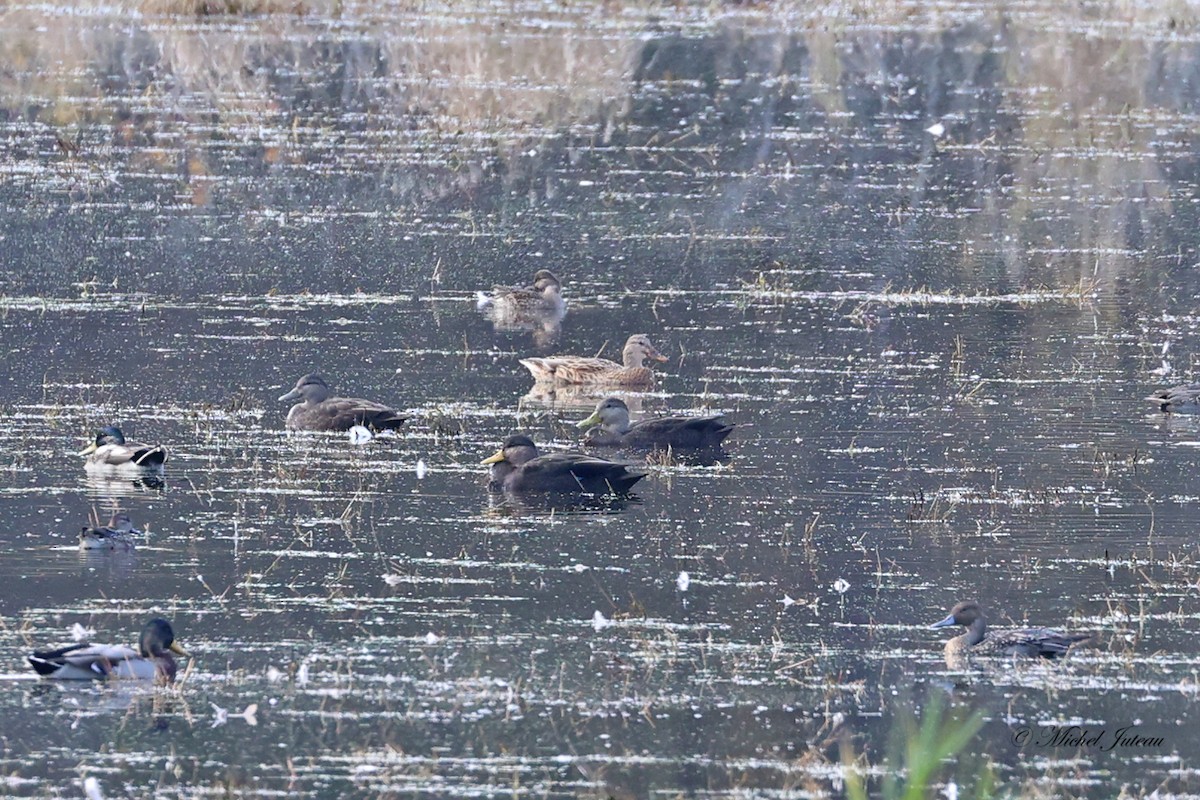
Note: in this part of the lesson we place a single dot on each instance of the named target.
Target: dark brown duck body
(320, 412)
(517, 467)
(609, 427)
(1029, 642)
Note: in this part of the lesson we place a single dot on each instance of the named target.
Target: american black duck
(517, 467)
(317, 411)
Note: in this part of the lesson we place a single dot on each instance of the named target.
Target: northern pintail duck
(116, 535)
(632, 372)
(1182, 399)
(517, 467)
(1031, 642)
(609, 426)
(317, 411)
(150, 661)
(110, 449)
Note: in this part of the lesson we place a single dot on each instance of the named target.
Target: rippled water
(929, 258)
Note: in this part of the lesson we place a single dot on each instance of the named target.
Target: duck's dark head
(546, 282)
(965, 614)
(110, 435)
(311, 389)
(516, 450)
(610, 413)
(157, 639)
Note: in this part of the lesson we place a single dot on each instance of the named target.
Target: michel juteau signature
(1101, 739)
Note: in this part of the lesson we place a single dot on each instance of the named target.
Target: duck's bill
(659, 357)
(292, 395)
(91, 448)
(946, 623)
(494, 458)
(178, 650)
(594, 419)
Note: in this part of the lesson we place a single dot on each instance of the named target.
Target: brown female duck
(1029, 642)
(317, 411)
(517, 467)
(631, 373)
(541, 299)
(609, 427)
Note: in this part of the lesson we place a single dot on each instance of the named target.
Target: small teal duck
(541, 299)
(317, 411)
(1029, 642)
(517, 467)
(150, 661)
(110, 449)
(1183, 399)
(608, 426)
(116, 535)
(631, 372)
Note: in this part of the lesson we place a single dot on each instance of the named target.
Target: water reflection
(928, 270)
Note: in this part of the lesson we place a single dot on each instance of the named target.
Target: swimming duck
(1031, 642)
(542, 298)
(579, 369)
(151, 661)
(116, 535)
(1183, 399)
(517, 467)
(609, 427)
(320, 412)
(111, 450)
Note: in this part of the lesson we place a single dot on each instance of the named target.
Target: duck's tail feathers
(47, 662)
(151, 456)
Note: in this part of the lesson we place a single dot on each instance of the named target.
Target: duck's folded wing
(82, 661)
(340, 413)
(682, 431)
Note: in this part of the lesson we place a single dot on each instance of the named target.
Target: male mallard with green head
(150, 661)
(110, 449)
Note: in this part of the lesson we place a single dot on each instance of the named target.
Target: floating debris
(683, 582)
(359, 435)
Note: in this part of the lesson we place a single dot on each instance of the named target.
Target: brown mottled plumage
(581, 370)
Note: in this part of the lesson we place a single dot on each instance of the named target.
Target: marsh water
(929, 258)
